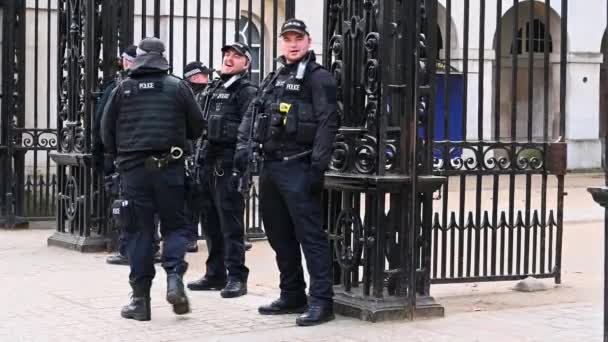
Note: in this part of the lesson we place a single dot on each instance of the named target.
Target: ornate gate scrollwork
(379, 161)
(348, 238)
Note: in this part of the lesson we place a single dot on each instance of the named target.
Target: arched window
(538, 35)
(247, 27)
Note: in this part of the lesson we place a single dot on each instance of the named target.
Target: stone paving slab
(51, 294)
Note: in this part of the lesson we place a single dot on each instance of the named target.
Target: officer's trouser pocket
(123, 214)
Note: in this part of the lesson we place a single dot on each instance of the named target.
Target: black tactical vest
(150, 117)
(288, 102)
(223, 113)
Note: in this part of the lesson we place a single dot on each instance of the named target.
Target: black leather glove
(112, 184)
(241, 159)
(235, 180)
(316, 176)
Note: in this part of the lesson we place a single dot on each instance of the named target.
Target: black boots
(316, 314)
(313, 314)
(176, 295)
(282, 306)
(230, 289)
(117, 259)
(234, 288)
(139, 308)
(207, 284)
(192, 247)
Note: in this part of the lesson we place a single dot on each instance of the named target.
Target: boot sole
(181, 306)
(233, 295)
(313, 323)
(120, 263)
(283, 312)
(141, 318)
(214, 288)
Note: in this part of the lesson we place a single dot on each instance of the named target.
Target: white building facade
(585, 81)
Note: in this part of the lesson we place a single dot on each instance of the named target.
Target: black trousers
(292, 220)
(159, 191)
(224, 230)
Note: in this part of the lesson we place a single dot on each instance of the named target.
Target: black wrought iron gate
(481, 116)
(28, 126)
(91, 32)
(500, 214)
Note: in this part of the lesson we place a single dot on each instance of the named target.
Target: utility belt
(296, 120)
(123, 210)
(161, 161)
(282, 155)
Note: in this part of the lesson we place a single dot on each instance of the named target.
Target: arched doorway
(534, 39)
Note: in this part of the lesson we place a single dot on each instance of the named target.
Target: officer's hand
(241, 159)
(235, 180)
(316, 176)
(112, 184)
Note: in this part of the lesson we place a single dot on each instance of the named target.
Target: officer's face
(199, 79)
(294, 46)
(234, 63)
(126, 64)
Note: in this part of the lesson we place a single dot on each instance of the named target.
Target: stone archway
(444, 40)
(529, 41)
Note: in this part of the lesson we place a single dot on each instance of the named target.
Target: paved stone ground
(51, 294)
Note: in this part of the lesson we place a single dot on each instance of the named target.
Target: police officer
(297, 107)
(145, 125)
(101, 162)
(105, 163)
(226, 100)
(197, 75)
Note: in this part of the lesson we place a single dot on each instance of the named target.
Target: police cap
(150, 45)
(196, 67)
(241, 48)
(294, 25)
(129, 53)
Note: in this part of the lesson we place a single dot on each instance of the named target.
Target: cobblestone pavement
(51, 294)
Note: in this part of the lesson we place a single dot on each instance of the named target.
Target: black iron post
(385, 95)
(290, 9)
(12, 112)
(600, 195)
(80, 32)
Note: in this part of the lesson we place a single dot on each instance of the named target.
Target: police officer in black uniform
(226, 100)
(146, 125)
(104, 163)
(297, 108)
(197, 75)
